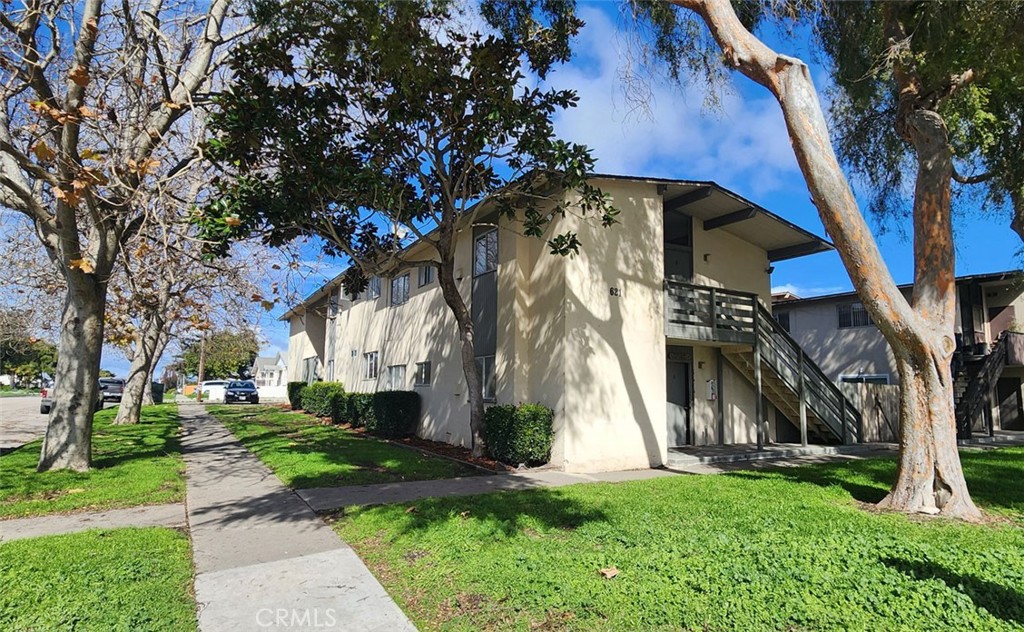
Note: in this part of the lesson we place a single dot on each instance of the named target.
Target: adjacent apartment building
(838, 333)
(657, 335)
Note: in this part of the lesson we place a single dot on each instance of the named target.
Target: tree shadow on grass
(155, 436)
(507, 513)
(992, 477)
(1001, 602)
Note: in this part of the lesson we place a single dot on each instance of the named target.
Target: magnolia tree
(97, 102)
(347, 119)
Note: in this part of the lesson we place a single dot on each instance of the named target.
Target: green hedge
(295, 394)
(389, 414)
(519, 434)
(318, 398)
(395, 414)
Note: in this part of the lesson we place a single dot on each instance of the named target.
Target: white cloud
(808, 291)
(743, 144)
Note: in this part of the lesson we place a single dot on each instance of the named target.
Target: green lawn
(118, 580)
(17, 392)
(305, 453)
(132, 465)
(787, 549)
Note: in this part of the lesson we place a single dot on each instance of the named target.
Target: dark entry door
(1008, 392)
(680, 394)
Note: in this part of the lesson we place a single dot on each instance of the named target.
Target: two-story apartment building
(658, 334)
(838, 333)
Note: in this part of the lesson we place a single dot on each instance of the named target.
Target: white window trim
(860, 377)
(416, 374)
(366, 365)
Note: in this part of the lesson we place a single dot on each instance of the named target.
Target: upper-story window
(783, 319)
(426, 274)
(373, 287)
(371, 365)
(485, 253)
(400, 289)
(853, 315)
(332, 305)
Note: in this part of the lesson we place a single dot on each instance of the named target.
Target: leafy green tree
(349, 118)
(930, 88)
(32, 360)
(225, 354)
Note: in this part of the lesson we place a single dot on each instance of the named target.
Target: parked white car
(213, 390)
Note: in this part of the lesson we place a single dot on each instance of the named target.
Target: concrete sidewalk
(327, 498)
(263, 559)
(170, 515)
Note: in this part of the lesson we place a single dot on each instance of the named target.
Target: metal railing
(979, 388)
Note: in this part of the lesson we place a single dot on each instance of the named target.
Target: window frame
(784, 319)
(375, 355)
(488, 236)
(865, 378)
(398, 280)
(426, 275)
(373, 288)
(856, 316)
(417, 378)
(389, 383)
(482, 364)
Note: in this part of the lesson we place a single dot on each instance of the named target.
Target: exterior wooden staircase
(767, 355)
(974, 383)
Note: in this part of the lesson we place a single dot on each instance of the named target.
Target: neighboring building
(654, 336)
(840, 336)
(270, 376)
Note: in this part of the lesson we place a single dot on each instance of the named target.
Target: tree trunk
(464, 320)
(68, 442)
(920, 334)
(147, 394)
(147, 341)
(929, 478)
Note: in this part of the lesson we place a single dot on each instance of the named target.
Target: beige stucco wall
(721, 259)
(615, 345)
(303, 329)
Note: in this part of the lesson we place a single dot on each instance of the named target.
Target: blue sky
(743, 145)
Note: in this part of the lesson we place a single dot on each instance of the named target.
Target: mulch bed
(455, 452)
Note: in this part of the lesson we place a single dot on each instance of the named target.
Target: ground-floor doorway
(679, 393)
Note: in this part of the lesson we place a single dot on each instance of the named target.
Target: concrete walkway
(170, 515)
(327, 498)
(263, 559)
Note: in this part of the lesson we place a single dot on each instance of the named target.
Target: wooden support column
(842, 418)
(802, 393)
(720, 376)
(758, 403)
(714, 314)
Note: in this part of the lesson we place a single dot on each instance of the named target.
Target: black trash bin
(158, 393)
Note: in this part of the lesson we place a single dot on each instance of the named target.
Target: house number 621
(614, 291)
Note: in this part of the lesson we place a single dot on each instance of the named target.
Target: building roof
(790, 299)
(706, 201)
(268, 363)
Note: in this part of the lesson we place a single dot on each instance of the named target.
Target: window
(426, 275)
(400, 289)
(783, 319)
(310, 370)
(332, 305)
(330, 370)
(485, 253)
(485, 364)
(370, 366)
(374, 287)
(853, 315)
(396, 378)
(865, 378)
(423, 373)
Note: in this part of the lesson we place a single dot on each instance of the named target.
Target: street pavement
(20, 421)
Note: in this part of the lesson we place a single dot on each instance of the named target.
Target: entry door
(1008, 392)
(680, 394)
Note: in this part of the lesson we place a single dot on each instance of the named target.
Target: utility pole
(202, 367)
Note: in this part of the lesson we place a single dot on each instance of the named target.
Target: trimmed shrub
(360, 410)
(295, 394)
(395, 414)
(519, 434)
(318, 398)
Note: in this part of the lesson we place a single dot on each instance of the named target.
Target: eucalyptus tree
(932, 89)
(347, 119)
(97, 98)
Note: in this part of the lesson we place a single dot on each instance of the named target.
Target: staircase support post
(758, 404)
(802, 393)
(842, 418)
(720, 375)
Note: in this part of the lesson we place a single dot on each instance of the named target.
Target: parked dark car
(241, 392)
(46, 399)
(112, 388)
